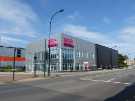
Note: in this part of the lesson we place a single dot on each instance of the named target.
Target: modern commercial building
(68, 53)
(7, 57)
(106, 57)
(38, 49)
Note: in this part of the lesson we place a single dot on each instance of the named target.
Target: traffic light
(18, 52)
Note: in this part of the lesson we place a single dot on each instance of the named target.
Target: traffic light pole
(35, 67)
(14, 64)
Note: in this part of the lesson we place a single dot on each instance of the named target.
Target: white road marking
(106, 81)
(116, 82)
(127, 83)
(111, 79)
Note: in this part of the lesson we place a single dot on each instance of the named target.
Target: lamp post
(50, 28)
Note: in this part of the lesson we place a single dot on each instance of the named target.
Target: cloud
(106, 20)
(123, 39)
(126, 37)
(83, 32)
(6, 40)
(127, 34)
(130, 20)
(18, 18)
(74, 15)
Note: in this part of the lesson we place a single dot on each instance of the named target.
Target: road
(103, 86)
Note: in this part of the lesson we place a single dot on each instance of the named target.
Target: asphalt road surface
(103, 86)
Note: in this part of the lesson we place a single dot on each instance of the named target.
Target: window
(90, 55)
(79, 54)
(87, 55)
(67, 53)
(93, 56)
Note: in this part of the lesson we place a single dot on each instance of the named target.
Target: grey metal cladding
(106, 57)
(37, 46)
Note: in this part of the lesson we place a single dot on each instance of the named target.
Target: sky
(106, 22)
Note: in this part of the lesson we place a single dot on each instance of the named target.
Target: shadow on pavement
(128, 94)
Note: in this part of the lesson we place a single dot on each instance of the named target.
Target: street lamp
(50, 28)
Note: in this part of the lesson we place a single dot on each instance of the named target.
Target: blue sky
(108, 22)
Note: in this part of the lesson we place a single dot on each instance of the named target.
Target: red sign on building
(68, 42)
(10, 59)
(52, 43)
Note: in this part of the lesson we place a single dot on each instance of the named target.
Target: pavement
(8, 76)
(115, 85)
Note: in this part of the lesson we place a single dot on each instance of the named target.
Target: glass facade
(67, 58)
(67, 53)
(40, 60)
(54, 59)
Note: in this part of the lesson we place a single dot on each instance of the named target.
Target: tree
(121, 60)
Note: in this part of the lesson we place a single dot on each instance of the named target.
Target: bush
(121, 61)
(10, 69)
(6, 69)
